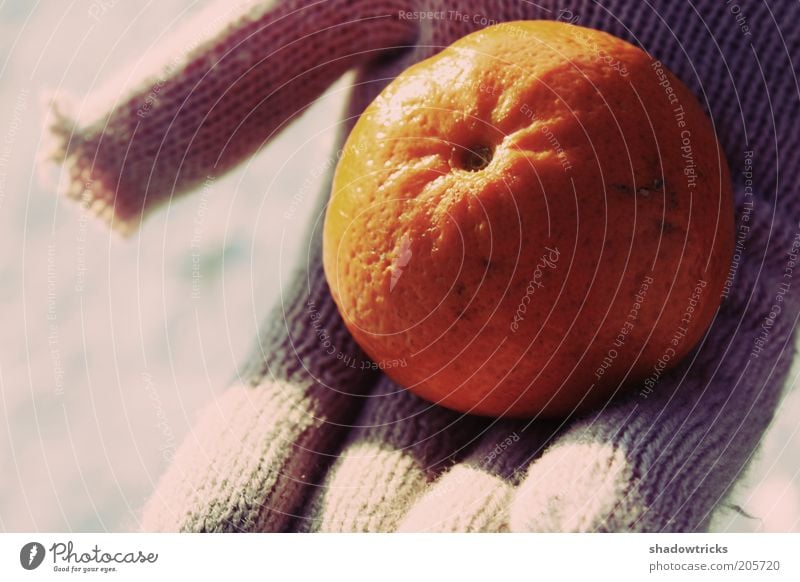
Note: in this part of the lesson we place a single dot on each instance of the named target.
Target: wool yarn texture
(301, 441)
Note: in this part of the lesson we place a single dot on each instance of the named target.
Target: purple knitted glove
(308, 441)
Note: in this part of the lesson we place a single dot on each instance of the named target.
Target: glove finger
(474, 495)
(662, 459)
(249, 459)
(399, 444)
(250, 68)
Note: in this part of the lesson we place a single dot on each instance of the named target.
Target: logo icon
(31, 555)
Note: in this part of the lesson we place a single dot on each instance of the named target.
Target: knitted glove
(307, 439)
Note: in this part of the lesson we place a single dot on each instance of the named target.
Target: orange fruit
(530, 221)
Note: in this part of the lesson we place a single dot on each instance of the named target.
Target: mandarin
(534, 219)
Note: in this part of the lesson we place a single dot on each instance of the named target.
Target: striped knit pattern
(307, 442)
(474, 496)
(466, 499)
(252, 454)
(398, 445)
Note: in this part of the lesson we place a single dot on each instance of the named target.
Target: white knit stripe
(401, 444)
(465, 499)
(250, 460)
(475, 494)
(247, 464)
(660, 463)
(368, 490)
(577, 487)
(236, 454)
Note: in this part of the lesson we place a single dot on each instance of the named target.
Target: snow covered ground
(108, 347)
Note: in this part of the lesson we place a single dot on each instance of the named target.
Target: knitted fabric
(306, 442)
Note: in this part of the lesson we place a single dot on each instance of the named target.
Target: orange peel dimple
(498, 206)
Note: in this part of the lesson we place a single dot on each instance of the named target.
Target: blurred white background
(107, 353)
